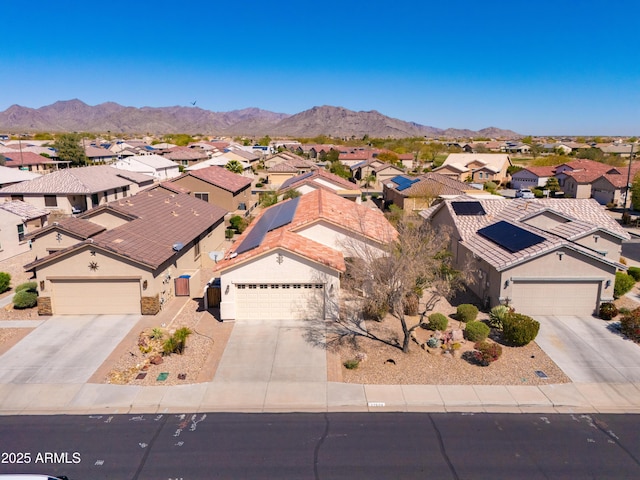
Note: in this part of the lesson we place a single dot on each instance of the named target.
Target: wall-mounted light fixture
(607, 284)
(279, 258)
(507, 283)
(560, 255)
(226, 290)
(145, 284)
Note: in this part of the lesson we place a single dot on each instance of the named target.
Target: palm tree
(234, 166)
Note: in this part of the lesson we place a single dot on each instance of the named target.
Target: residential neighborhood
(226, 240)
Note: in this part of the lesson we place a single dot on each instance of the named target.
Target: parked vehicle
(525, 193)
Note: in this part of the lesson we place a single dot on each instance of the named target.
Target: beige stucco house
(288, 263)
(542, 257)
(74, 190)
(126, 257)
(476, 167)
(17, 219)
(218, 186)
(322, 179)
(279, 173)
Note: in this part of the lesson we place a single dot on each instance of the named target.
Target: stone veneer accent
(44, 306)
(150, 305)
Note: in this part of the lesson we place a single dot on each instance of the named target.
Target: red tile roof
(315, 207)
(18, 159)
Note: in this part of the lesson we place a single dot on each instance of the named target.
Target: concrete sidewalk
(274, 396)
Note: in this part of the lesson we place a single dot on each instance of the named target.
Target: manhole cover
(541, 374)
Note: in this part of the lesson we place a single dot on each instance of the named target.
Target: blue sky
(544, 68)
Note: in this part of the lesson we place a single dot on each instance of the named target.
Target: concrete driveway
(588, 351)
(65, 349)
(264, 352)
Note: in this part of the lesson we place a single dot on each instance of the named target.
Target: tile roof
(97, 152)
(293, 165)
(15, 175)
(495, 160)
(24, 210)
(18, 159)
(154, 161)
(83, 180)
(220, 177)
(319, 178)
(585, 217)
(543, 171)
(185, 153)
(76, 226)
(315, 207)
(435, 184)
(161, 220)
(587, 165)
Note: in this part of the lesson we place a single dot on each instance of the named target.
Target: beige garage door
(80, 297)
(556, 298)
(279, 301)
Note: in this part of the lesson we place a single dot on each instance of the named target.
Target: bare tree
(412, 274)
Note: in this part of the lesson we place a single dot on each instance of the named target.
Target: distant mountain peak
(76, 115)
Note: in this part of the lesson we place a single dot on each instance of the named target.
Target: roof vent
(56, 223)
(178, 246)
(174, 213)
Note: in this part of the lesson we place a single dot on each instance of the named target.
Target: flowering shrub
(608, 310)
(487, 352)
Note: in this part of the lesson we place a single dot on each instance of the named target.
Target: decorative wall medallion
(93, 266)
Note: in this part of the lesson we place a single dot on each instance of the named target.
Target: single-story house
(288, 263)
(33, 162)
(17, 219)
(476, 167)
(413, 194)
(281, 157)
(218, 186)
(130, 256)
(74, 190)
(541, 256)
(278, 174)
(531, 177)
(155, 166)
(575, 177)
(612, 186)
(221, 160)
(186, 156)
(99, 155)
(322, 179)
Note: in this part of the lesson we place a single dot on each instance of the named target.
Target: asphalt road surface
(323, 446)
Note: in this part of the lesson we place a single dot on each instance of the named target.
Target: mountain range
(75, 115)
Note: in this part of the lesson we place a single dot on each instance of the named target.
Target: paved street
(64, 349)
(588, 351)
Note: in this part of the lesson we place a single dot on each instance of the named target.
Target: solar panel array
(468, 208)
(510, 237)
(275, 217)
(403, 182)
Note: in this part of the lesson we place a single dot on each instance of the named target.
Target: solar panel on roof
(510, 237)
(276, 217)
(468, 208)
(406, 184)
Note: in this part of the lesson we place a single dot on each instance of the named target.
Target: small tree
(5, 281)
(69, 147)
(552, 184)
(234, 166)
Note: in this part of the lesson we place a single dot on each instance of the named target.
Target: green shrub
(25, 299)
(437, 321)
(608, 310)
(476, 331)
(31, 286)
(487, 352)
(466, 312)
(497, 316)
(624, 282)
(630, 325)
(238, 223)
(519, 329)
(181, 337)
(229, 233)
(5, 281)
(634, 272)
(170, 345)
(351, 364)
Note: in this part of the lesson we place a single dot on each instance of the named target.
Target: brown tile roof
(84, 180)
(435, 184)
(315, 207)
(220, 177)
(318, 178)
(587, 165)
(161, 220)
(292, 166)
(185, 153)
(585, 215)
(15, 160)
(75, 226)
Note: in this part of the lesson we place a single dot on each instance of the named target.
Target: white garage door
(81, 297)
(279, 301)
(556, 298)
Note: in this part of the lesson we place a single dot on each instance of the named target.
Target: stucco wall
(10, 245)
(51, 241)
(270, 268)
(347, 242)
(107, 219)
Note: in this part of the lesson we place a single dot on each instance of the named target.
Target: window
(241, 287)
(20, 232)
(17, 197)
(94, 199)
(124, 191)
(50, 201)
(196, 250)
(202, 196)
